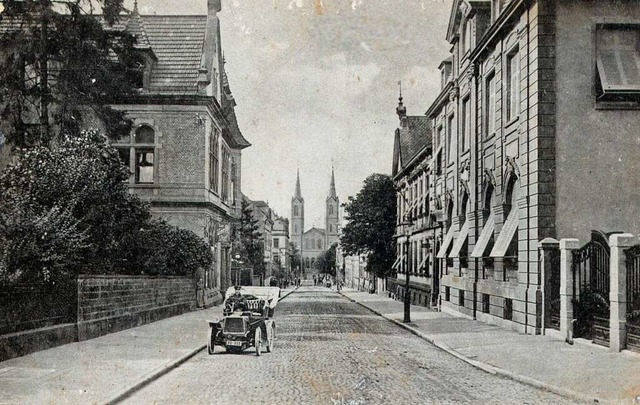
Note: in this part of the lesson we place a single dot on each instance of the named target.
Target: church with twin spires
(312, 243)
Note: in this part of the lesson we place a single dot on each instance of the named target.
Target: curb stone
(485, 366)
(161, 371)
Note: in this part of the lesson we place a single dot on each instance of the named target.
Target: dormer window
(498, 6)
(466, 36)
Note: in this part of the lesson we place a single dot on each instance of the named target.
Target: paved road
(332, 351)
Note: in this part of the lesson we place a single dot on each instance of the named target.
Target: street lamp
(407, 291)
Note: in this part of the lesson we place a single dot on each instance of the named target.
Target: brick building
(184, 151)
(415, 225)
(533, 138)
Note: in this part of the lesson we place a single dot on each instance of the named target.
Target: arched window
(319, 243)
(330, 209)
(145, 134)
(296, 211)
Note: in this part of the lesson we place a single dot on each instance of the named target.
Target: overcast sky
(316, 81)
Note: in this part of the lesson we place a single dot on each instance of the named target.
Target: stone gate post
(618, 290)
(567, 246)
(548, 252)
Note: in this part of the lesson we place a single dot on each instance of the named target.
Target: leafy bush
(67, 209)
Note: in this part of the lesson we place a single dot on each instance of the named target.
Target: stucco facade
(534, 136)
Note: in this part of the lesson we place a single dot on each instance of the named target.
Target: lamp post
(407, 291)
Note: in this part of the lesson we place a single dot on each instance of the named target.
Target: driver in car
(237, 302)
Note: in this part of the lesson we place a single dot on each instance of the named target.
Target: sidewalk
(583, 371)
(101, 370)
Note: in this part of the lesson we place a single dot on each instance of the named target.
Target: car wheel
(210, 346)
(258, 341)
(271, 340)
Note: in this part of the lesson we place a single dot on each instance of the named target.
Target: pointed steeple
(298, 192)
(332, 188)
(401, 110)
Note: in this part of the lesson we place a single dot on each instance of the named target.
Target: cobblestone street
(332, 351)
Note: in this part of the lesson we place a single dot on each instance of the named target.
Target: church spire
(332, 188)
(298, 193)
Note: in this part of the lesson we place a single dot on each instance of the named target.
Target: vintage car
(248, 324)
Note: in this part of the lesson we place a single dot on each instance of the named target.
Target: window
(295, 228)
(214, 161)
(276, 243)
(449, 136)
(513, 85)
(226, 161)
(508, 309)
(296, 211)
(330, 209)
(466, 36)
(466, 124)
(486, 303)
(490, 105)
(461, 298)
(139, 155)
(618, 63)
(447, 293)
(144, 166)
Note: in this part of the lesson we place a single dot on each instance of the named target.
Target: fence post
(567, 246)
(618, 290)
(549, 248)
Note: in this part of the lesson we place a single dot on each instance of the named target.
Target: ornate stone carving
(454, 93)
(511, 166)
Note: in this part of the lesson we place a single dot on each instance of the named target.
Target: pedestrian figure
(200, 293)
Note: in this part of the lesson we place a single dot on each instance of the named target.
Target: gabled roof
(410, 141)
(177, 41)
(315, 230)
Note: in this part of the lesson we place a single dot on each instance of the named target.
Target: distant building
(313, 242)
(265, 218)
(281, 248)
(415, 225)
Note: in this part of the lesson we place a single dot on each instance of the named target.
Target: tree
(371, 217)
(296, 260)
(61, 65)
(327, 260)
(249, 240)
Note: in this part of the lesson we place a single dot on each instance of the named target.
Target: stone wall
(109, 304)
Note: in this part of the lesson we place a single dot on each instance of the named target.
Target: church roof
(315, 230)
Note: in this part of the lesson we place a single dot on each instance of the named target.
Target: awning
(462, 237)
(442, 253)
(617, 60)
(506, 235)
(485, 236)
(397, 262)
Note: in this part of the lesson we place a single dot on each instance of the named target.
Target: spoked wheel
(210, 347)
(271, 338)
(258, 341)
